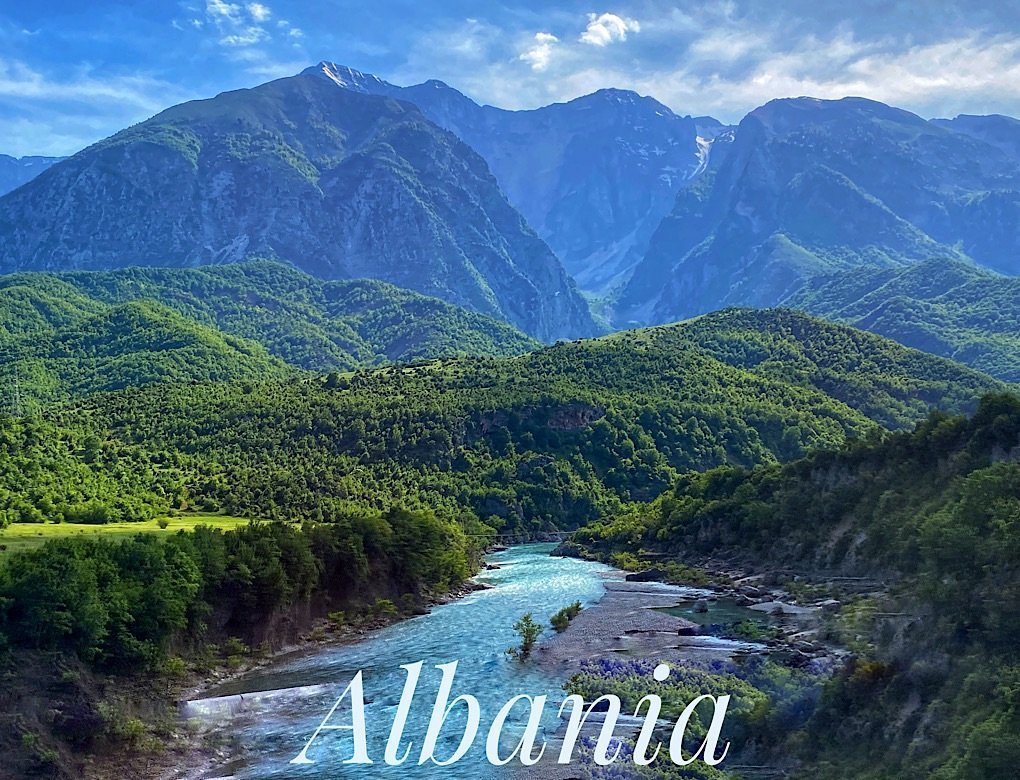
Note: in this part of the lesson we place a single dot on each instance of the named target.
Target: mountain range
(657, 216)
(813, 187)
(593, 176)
(338, 183)
(15, 171)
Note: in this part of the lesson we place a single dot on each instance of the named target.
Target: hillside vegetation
(66, 335)
(936, 511)
(549, 439)
(944, 307)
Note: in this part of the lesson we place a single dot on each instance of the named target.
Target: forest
(935, 511)
(946, 307)
(72, 334)
(550, 439)
(370, 491)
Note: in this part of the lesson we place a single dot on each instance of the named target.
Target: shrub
(562, 619)
(234, 646)
(337, 619)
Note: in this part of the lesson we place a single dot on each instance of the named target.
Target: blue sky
(74, 72)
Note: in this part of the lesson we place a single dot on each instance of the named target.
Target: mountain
(239, 312)
(548, 439)
(593, 176)
(338, 183)
(947, 308)
(995, 129)
(815, 187)
(15, 171)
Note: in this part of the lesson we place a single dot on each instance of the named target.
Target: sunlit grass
(26, 536)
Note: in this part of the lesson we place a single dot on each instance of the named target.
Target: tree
(529, 632)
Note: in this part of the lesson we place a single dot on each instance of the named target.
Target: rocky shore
(630, 621)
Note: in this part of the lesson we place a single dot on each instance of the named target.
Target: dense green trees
(122, 606)
(553, 438)
(945, 307)
(936, 511)
(78, 333)
(62, 473)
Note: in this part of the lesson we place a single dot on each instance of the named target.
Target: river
(270, 714)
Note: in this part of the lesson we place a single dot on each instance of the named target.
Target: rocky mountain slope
(15, 171)
(340, 184)
(594, 176)
(814, 187)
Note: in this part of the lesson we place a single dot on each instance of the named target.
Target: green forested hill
(551, 438)
(936, 511)
(72, 334)
(944, 307)
(54, 346)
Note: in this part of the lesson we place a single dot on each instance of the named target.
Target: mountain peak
(346, 77)
(789, 112)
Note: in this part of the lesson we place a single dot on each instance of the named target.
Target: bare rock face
(815, 187)
(593, 176)
(15, 171)
(338, 183)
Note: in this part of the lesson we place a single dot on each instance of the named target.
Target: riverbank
(260, 720)
(269, 711)
(158, 744)
(642, 619)
(203, 752)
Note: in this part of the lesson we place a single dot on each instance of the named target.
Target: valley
(283, 368)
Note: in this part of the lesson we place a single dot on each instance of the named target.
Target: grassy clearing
(26, 536)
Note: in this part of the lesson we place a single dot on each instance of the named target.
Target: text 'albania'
(348, 715)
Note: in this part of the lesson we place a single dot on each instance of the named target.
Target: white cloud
(540, 52)
(606, 28)
(62, 112)
(217, 9)
(246, 30)
(247, 36)
(723, 63)
(259, 12)
(973, 72)
(18, 80)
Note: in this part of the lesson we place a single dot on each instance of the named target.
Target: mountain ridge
(15, 171)
(593, 175)
(342, 184)
(812, 187)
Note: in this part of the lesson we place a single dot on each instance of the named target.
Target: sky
(72, 73)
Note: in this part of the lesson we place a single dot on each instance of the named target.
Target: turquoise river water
(269, 715)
